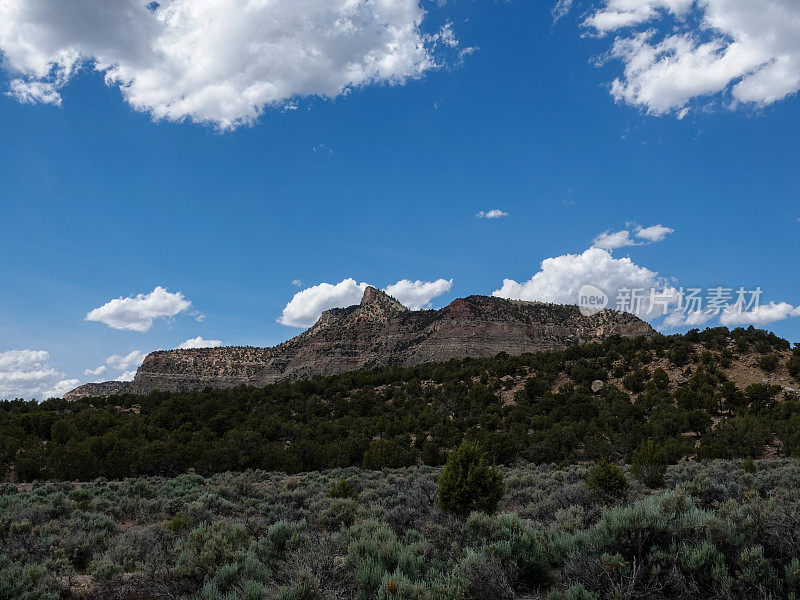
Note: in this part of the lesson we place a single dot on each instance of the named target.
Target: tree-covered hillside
(700, 394)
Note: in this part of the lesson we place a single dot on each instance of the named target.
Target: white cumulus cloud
(127, 376)
(763, 314)
(307, 305)
(416, 295)
(654, 233)
(635, 289)
(675, 52)
(215, 61)
(199, 342)
(28, 374)
(136, 313)
(34, 92)
(693, 318)
(123, 362)
(95, 372)
(495, 213)
(560, 278)
(613, 240)
(61, 388)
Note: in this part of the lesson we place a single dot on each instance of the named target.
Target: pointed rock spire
(373, 296)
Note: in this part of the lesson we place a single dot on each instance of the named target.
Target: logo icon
(591, 300)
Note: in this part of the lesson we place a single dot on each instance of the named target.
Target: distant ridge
(378, 332)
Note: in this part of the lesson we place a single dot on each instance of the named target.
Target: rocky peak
(377, 302)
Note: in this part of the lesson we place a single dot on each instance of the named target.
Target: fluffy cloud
(654, 233)
(136, 313)
(199, 342)
(61, 388)
(307, 305)
(214, 61)
(34, 92)
(495, 213)
(612, 240)
(27, 374)
(127, 376)
(678, 319)
(121, 363)
(416, 295)
(764, 314)
(95, 372)
(560, 278)
(677, 51)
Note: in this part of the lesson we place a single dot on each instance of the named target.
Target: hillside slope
(711, 394)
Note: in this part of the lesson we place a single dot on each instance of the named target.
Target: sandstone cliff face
(381, 332)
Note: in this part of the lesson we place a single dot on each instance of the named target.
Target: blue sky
(105, 197)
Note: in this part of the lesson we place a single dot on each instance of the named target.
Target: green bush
(467, 483)
(104, 569)
(178, 523)
(29, 582)
(389, 454)
(794, 366)
(757, 573)
(341, 512)
(769, 362)
(748, 465)
(634, 381)
(397, 586)
(342, 488)
(513, 543)
(574, 592)
(607, 479)
(484, 577)
(649, 463)
(307, 587)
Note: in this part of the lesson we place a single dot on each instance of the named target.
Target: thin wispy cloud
(561, 10)
(494, 213)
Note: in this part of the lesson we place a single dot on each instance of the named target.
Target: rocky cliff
(104, 388)
(381, 332)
